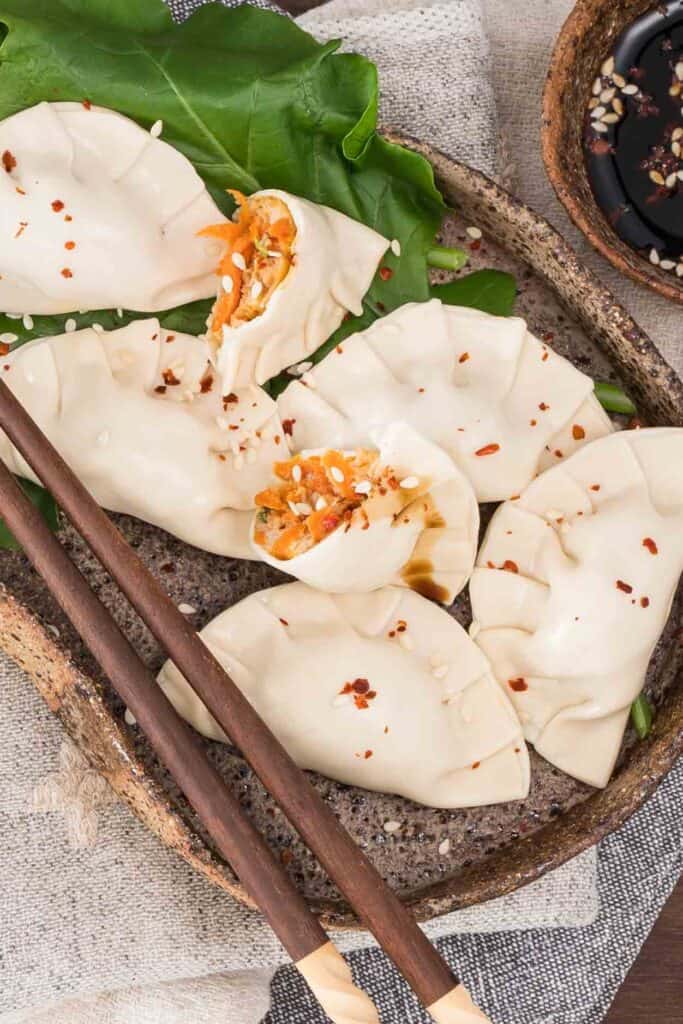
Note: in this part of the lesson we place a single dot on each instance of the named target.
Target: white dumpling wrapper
(430, 546)
(481, 386)
(167, 456)
(136, 205)
(440, 729)
(335, 261)
(578, 621)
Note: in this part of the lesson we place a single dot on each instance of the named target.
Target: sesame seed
(409, 483)
(337, 475)
(302, 368)
(597, 86)
(598, 126)
(607, 94)
(667, 264)
(654, 257)
(657, 177)
(28, 321)
(303, 509)
(70, 326)
(292, 508)
(474, 233)
(629, 90)
(256, 289)
(239, 261)
(228, 284)
(129, 717)
(610, 119)
(296, 474)
(156, 129)
(391, 826)
(98, 328)
(619, 80)
(608, 66)
(396, 247)
(444, 847)
(320, 504)
(186, 609)
(363, 487)
(119, 314)
(14, 316)
(598, 112)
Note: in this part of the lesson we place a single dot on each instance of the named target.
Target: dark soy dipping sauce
(633, 161)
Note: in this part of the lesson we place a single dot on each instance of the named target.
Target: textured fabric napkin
(92, 903)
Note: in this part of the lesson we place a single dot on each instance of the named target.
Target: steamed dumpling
(491, 394)
(291, 272)
(382, 690)
(354, 521)
(138, 416)
(593, 551)
(96, 213)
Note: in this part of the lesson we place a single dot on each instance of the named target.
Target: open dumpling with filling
(483, 387)
(345, 521)
(138, 415)
(97, 213)
(291, 271)
(382, 690)
(573, 588)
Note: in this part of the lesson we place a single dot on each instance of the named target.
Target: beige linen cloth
(98, 921)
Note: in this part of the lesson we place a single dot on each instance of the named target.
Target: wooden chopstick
(181, 750)
(378, 907)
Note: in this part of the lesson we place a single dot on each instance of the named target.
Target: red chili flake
(386, 729)
(229, 399)
(421, 391)
(4, 348)
(6, 366)
(634, 423)
(160, 389)
(490, 565)
(68, 218)
(644, 602)
(532, 423)
(360, 685)
(67, 273)
(277, 439)
(167, 567)
(595, 487)
(464, 357)
(154, 337)
(206, 383)
(517, 750)
(286, 857)
(339, 350)
(23, 224)
(651, 546)
(578, 433)
(170, 338)
(488, 449)
(401, 626)
(626, 587)
(475, 246)
(545, 355)
(87, 104)
(70, 246)
(392, 633)
(20, 191)
(222, 457)
(557, 453)
(57, 205)
(233, 426)
(514, 497)
(476, 765)
(510, 566)
(288, 427)
(330, 523)
(169, 377)
(519, 685)
(367, 754)
(284, 621)
(9, 161)
(543, 407)
(346, 688)
(386, 273)
(548, 335)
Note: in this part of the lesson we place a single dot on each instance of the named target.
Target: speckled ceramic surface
(492, 850)
(586, 40)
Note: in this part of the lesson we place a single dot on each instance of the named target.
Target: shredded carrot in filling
(320, 494)
(258, 257)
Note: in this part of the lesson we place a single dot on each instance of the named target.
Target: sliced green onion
(641, 716)
(446, 259)
(613, 398)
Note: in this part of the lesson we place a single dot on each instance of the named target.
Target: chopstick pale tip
(329, 978)
(456, 1007)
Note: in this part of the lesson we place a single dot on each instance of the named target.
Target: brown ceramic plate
(492, 850)
(586, 40)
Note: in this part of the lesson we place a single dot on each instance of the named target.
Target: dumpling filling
(324, 492)
(258, 258)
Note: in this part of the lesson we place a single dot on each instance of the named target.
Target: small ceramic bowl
(586, 40)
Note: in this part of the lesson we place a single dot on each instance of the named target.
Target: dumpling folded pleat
(402, 513)
(498, 400)
(292, 271)
(382, 690)
(573, 588)
(138, 415)
(97, 213)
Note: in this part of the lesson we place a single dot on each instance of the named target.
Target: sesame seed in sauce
(70, 326)
(239, 261)
(474, 233)
(156, 129)
(396, 247)
(409, 483)
(186, 609)
(391, 826)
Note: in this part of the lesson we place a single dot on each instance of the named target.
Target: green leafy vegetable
(446, 259)
(642, 715)
(492, 291)
(613, 399)
(43, 502)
